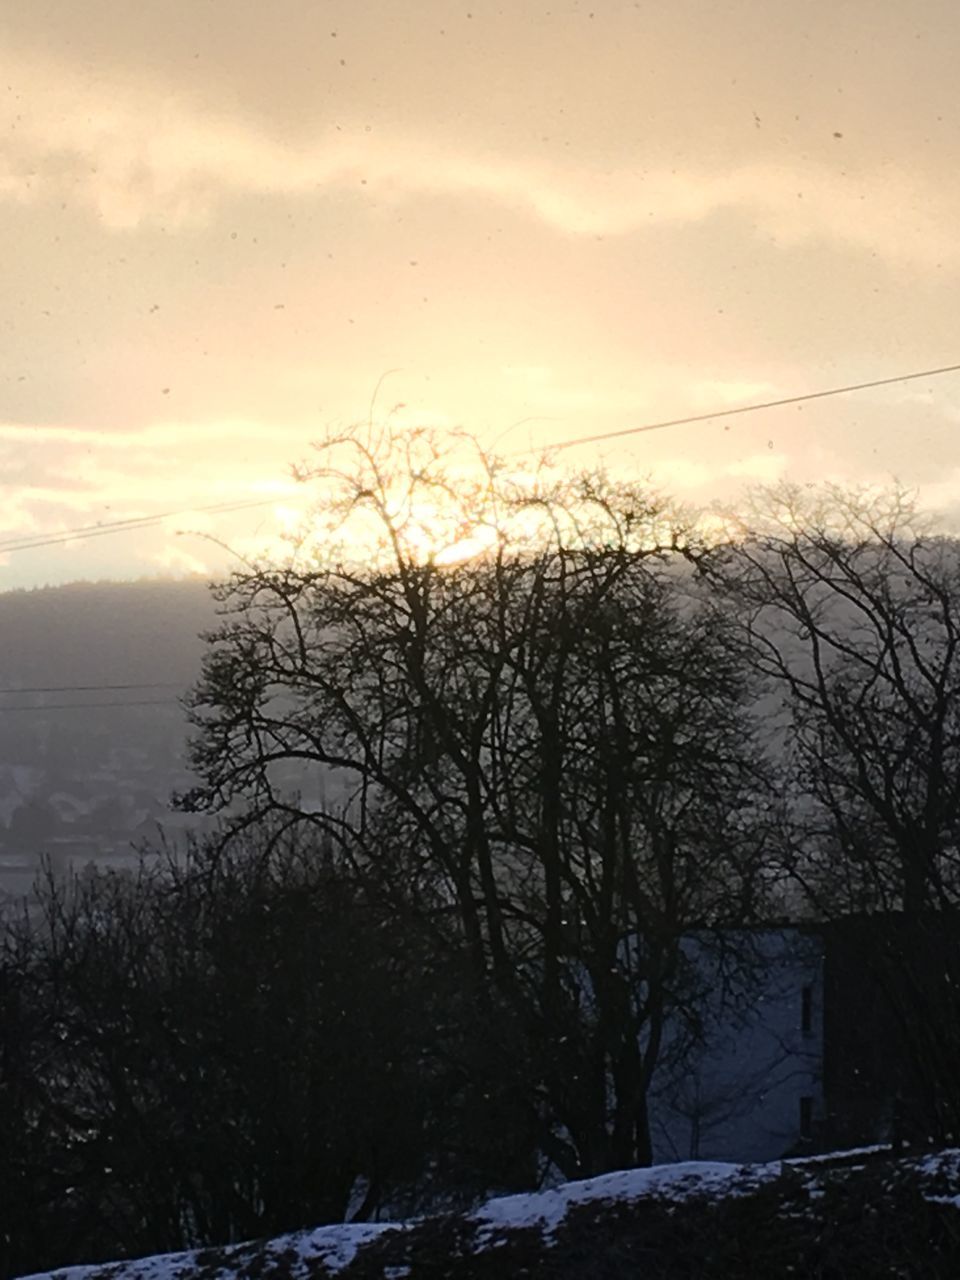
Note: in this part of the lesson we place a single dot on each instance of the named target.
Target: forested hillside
(103, 632)
(92, 730)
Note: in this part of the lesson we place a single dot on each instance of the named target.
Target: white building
(748, 1083)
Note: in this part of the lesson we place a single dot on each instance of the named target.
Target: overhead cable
(128, 525)
(752, 408)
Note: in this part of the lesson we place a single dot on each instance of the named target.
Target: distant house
(816, 1037)
(747, 1083)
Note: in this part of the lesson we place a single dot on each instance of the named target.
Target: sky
(228, 227)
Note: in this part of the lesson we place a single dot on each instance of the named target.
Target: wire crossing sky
(802, 398)
(225, 221)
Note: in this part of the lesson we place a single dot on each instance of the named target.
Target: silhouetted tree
(545, 734)
(29, 1190)
(210, 1050)
(851, 608)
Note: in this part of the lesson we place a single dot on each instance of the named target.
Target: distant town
(89, 762)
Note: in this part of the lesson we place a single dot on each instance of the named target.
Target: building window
(806, 1011)
(806, 1119)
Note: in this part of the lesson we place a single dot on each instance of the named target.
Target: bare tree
(545, 727)
(852, 609)
(211, 1049)
(851, 605)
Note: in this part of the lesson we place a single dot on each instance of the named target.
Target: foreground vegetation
(846, 1219)
(539, 696)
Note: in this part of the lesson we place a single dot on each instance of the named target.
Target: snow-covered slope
(536, 1227)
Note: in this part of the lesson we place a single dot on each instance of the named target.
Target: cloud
(942, 497)
(708, 392)
(176, 559)
(680, 474)
(137, 154)
(660, 391)
(685, 476)
(66, 477)
(762, 468)
(160, 435)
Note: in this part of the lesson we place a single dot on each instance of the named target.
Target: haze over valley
(87, 768)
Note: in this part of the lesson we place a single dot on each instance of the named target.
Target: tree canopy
(545, 728)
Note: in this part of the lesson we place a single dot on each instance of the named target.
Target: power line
(753, 408)
(96, 688)
(224, 504)
(96, 706)
(130, 524)
(25, 540)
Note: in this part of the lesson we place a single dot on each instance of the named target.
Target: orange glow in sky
(230, 224)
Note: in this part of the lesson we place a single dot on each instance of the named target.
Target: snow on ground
(328, 1250)
(547, 1209)
(335, 1246)
(298, 1253)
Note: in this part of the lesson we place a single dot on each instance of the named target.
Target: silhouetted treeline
(227, 1045)
(559, 754)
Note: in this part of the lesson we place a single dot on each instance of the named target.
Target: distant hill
(85, 770)
(104, 632)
